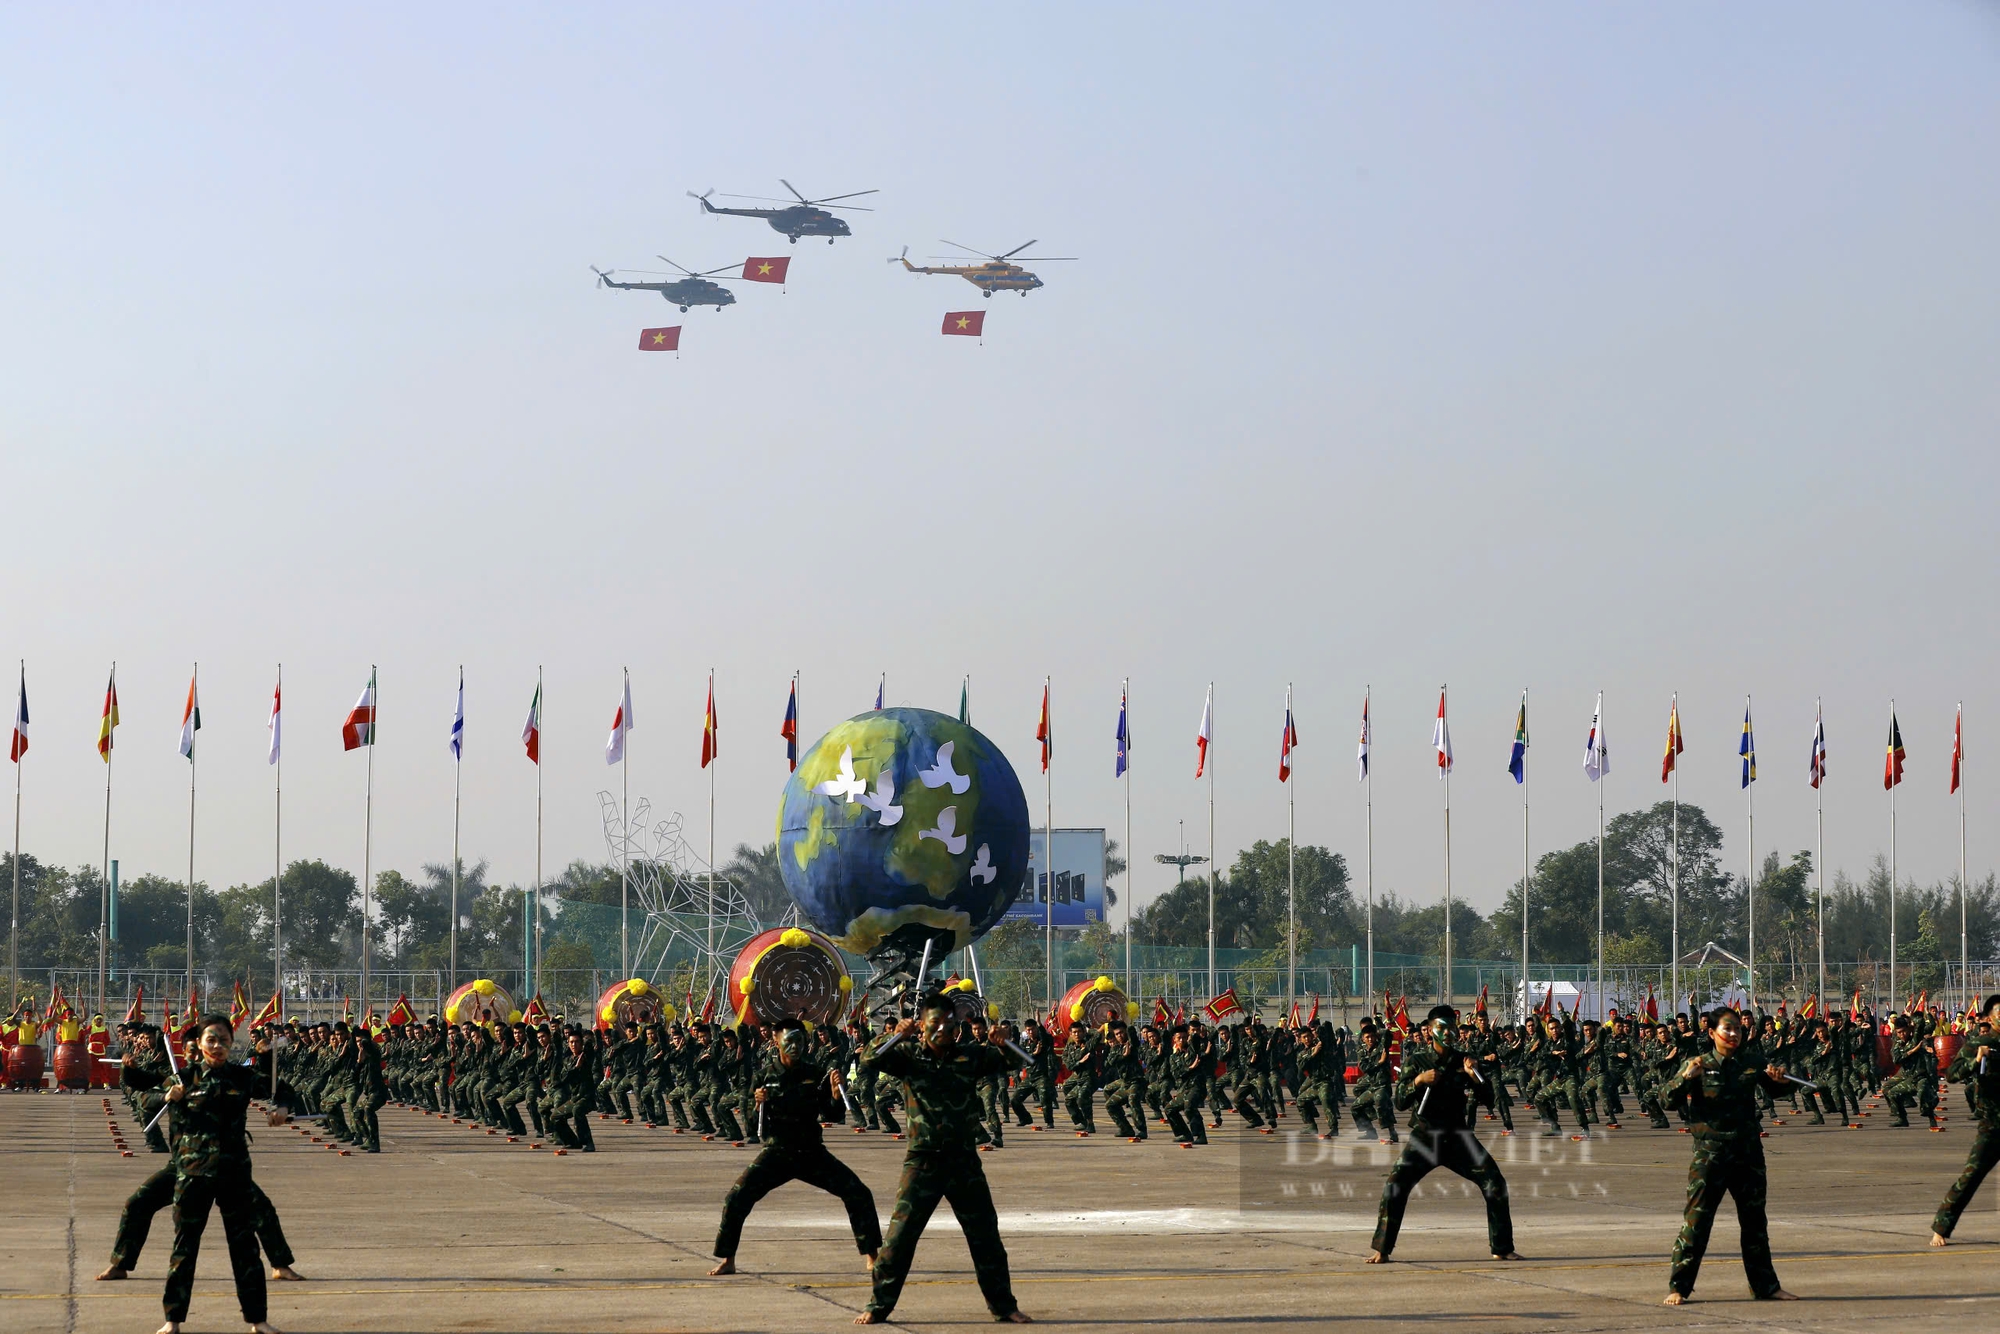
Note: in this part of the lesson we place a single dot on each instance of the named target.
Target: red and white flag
(1957, 736)
(708, 746)
(621, 723)
(19, 745)
(1291, 739)
(276, 724)
(359, 729)
(1441, 738)
(1201, 736)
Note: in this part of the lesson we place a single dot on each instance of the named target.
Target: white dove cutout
(942, 774)
(844, 783)
(983, 870)
(946, 831)
(882, 799)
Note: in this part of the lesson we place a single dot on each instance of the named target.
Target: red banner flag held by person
(660, 340)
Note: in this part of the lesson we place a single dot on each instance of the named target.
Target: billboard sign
(1076, 898)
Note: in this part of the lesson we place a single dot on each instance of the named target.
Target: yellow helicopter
(999, 274)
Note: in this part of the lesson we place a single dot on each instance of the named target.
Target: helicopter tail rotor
(701, 200)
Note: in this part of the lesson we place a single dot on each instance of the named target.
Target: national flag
(135, 1013)
(1597, 753)
(1223, 1006)
(1747, 748)
(1202, 734)
(239, 1005)
(660, 340)
(400, 1014)
(965, 701)
(1441, 738)
(359, 729)
(273, 1011)
(531, 730)
(789, 728)
(621, 725)
(1517, 764)
(1959, 735)
(1288, 742)
(1123, 736)
(19, 745)
(190, 720)
(1674, 743)
(1361, 751)
(708, 738)
(1892, 765)
(1045, 733)
(1818, 770)
(458, 721)
(536, 1013)
(761, 270)
(275, 724)
(107, 723)
(968, 323)
(881, 687)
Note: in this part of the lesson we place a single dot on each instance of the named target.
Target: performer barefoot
(787, 1119)
(942, 1162)
(212, 1168)
(1719, 1095)
(1977, 1066)
(1439, 1087)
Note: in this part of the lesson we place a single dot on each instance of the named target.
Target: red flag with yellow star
(660, 340)
(757, 269)
(966, 323)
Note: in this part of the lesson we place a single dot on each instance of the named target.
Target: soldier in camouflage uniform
(992, 1097)
(1915, 1080)
(1080, 1089)
(1038, 1079)
(1374, 1091)
(1719, 1094)
(942, 1162)
(1319, 1079)
(1977, 1066)
(1125, 1082)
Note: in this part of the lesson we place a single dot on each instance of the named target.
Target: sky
(1566, 348)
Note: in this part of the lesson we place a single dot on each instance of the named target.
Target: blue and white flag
(1597, 755)
(458, 720)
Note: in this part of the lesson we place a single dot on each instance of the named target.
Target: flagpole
(1048, 844)
(1892, 860)
(1125, 695)
(1524, 872)
(14, 932)
(625, 838)
(1819, 848)
(1291, 865)
(193, 696)
(1209, 759)
(104, 888)
(1603, 772)
(278, 851)
(714, 762)
(1750, 848)
(1964, 951)
(1445, 997)
(536, 905)
(1368, 819)
(368, 832)
(457, 789)
(1673, 735)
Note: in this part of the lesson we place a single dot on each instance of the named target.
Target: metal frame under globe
(693, 912)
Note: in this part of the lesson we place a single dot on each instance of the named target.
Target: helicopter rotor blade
(981, 253)
(844, 208)
(1015, 251)
(682, 267)
(853, 195)
(794, 189)
(1045, 259)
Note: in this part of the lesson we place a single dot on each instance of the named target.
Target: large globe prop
(900, 826)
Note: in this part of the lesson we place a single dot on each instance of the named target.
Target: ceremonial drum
(73, 1062)
(24, 1065)
(632, 1001)
(968, 1003)
(788, 974)
(1092, 1004)
(1947, 1048)
(481, 1002)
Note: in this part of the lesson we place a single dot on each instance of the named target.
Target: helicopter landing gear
(988, 294)
(795, 238)
(683, 310)
(829, 240)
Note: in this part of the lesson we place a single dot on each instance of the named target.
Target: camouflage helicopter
(696, 289)
(998, 274)
(794, 217)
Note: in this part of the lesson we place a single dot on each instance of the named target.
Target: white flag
(276, 726)
(1361, 751)
(1201, 737)
(614, 749)
(1597, 755)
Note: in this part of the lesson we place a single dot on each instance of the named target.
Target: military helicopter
(998, 274)
(696, 289)
(805, 217)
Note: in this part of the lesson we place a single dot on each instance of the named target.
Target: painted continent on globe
(899, 822)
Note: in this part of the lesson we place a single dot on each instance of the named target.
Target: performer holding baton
(1977, 1066)
(794, 1150)
(1439, 1087)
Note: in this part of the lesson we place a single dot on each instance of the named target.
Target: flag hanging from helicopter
(763, 269)
(965, 323)
(660, 340)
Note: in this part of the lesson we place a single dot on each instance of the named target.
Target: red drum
(1947, 1048)
(24, 1065)
(73, 1061)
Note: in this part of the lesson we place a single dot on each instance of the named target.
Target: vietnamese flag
(760, 270)
(967, 323)
(660, 340)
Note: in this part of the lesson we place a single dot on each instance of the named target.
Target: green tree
(755, 872)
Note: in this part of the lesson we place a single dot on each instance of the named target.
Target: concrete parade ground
(453, 1229)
